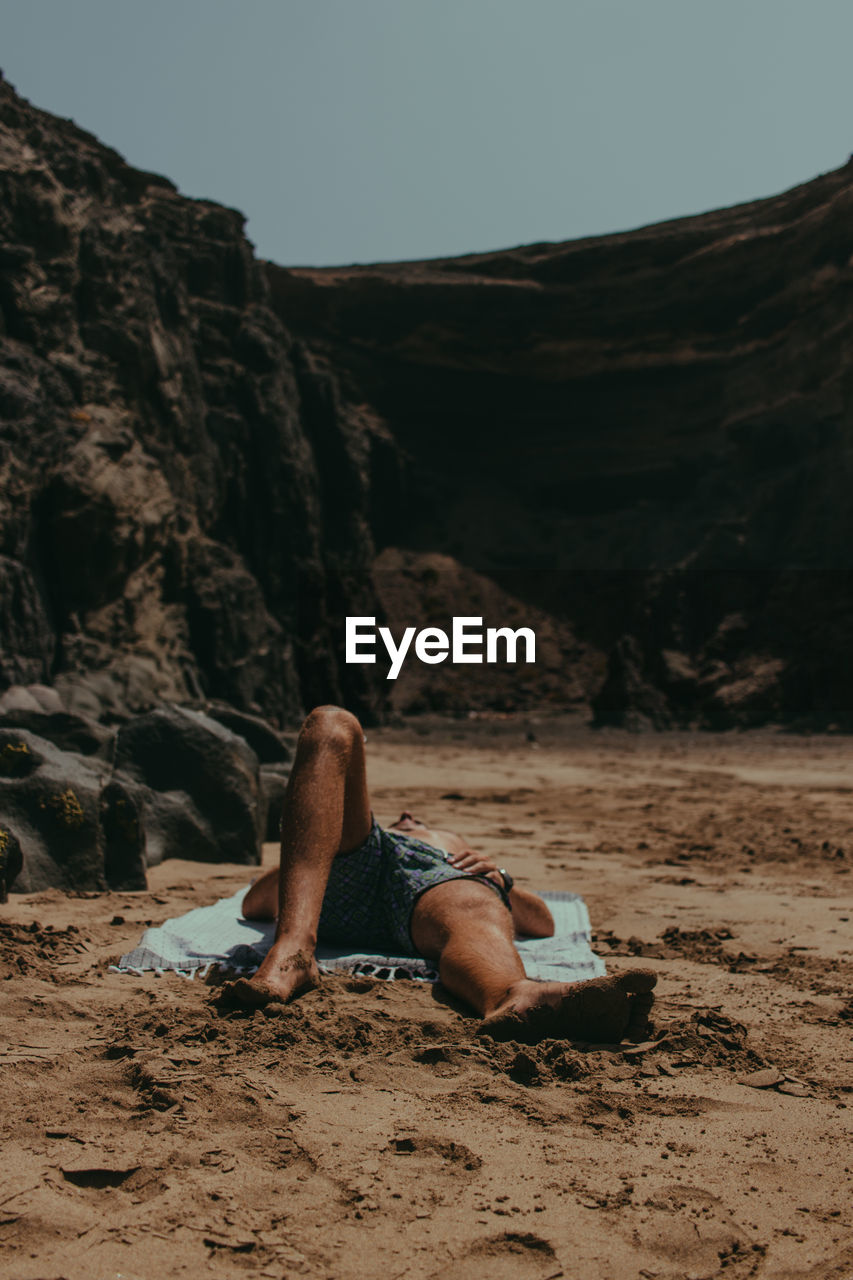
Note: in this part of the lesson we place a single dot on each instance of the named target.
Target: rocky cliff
(206, 461)
(648, 434)
(184, 502)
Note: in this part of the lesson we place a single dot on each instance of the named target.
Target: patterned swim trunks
(372, 891)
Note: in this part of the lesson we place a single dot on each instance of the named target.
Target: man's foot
(284, 975)
(601, 1010)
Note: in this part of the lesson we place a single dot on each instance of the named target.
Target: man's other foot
(601, 1010)
(283, 976)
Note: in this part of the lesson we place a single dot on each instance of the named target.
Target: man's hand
(476, 864)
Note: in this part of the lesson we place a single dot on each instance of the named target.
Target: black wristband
(507, 879)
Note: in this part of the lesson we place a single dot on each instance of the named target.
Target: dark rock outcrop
(641, 435)
(269, 744)
(50, 806)
(64, 730)
(196, 784)
(628, 697)
(173, 783)
(37, 698)
(184, 497)
(122, 822)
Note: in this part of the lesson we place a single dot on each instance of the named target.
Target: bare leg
(326, 812)
(464, 926)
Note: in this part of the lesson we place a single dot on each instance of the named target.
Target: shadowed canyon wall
(649, 435)
(642, 441)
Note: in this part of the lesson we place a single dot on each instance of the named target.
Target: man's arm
(530, 914)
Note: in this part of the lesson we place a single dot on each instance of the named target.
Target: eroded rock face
(642, 435)
(183, 500)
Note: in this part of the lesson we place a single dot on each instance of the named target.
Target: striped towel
(218, 935)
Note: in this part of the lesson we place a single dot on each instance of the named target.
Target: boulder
(124, 837)
(48, 699)
(18, 698)
(269, 744)
(50, 805)
(197, 785)
(183, 785)
(68, 732)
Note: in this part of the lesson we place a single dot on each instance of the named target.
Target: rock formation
(647, 434)
(83, 807)
(184, 502)
(207, 462)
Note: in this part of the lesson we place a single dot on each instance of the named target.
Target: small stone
(635, 1050)
(767, 1078)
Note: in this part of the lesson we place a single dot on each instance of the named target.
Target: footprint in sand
(423, 1150)
(512, 1255)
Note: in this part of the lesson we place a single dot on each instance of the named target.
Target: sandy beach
(369, 1130)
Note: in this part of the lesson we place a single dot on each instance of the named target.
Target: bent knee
(330, 726)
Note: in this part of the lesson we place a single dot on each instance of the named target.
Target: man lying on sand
(408, 888)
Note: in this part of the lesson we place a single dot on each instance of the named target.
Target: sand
(369, 1132)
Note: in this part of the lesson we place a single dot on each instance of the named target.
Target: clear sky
(371, 130)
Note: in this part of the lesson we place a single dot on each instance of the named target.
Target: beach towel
(218, 935)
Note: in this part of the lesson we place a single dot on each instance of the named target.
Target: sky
(379, 130)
